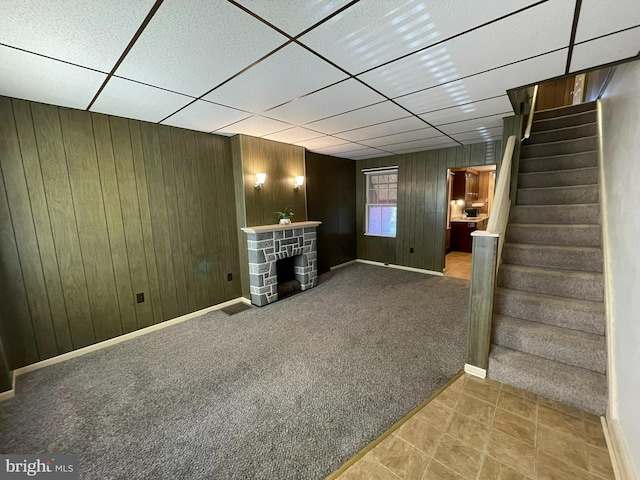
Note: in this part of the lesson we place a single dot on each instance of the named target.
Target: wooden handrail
(527, 132)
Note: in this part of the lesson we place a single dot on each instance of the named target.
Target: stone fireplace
(267, 244)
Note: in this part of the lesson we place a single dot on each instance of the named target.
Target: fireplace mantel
(276, 226)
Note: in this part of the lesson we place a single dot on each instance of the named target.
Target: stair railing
(527, 132)
(487, 253)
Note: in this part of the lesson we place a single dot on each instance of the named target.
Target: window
(382, 200)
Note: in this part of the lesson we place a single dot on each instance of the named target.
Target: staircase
(549, 320)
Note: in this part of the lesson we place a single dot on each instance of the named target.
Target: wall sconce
(260, 178)
(460, 202)
(299, 182)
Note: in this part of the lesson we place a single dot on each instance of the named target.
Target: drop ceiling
(354, 79)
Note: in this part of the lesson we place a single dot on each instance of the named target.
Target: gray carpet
(288, 391)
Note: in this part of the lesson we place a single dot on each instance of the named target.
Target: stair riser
(563, 178)
(559, 148)
(541, 125)
(588, 353)
(582, 236)
(558, 196)
(585, 286)
(578, 260)
(558, 313)
(566, 110)
(547, 214)
(572, 133)
(566, 162)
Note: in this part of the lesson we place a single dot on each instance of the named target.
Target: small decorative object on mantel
(284, 216)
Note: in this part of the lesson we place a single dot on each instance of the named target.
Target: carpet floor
(288, 391)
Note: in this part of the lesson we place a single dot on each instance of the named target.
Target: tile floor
(484, 430)
(458, 264)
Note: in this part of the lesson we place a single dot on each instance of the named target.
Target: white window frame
(368, 173)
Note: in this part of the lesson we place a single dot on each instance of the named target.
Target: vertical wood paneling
(86, 191)
(26, 242)
(55, 175)
(42, 223)
(160, 226)
(115, 227)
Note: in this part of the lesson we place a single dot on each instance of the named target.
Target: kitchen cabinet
(459, 186)
(461, 240)
(471, 187)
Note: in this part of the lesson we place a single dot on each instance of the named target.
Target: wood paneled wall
(331, 199)
(422, 198)
(282, 163)
(95, 209)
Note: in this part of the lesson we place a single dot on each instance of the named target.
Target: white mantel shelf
(277, 226)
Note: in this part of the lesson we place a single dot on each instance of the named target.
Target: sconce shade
(260, 178)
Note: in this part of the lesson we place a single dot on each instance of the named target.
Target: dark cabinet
(461, 240)
(472, 184)
(459, 186)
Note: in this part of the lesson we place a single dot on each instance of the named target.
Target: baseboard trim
(620, 458)
(475, 371)
(401, 267)
(342, 265)
(123, 338)
(10, 393)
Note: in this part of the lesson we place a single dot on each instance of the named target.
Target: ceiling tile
(31, 77)
(473, 124)
(387, 128)
(256, 126)
(359, 152)
(479, 134)
(469, 110)
(606, 49)
(355, 156)
(190, 47)
(276, 80)
(345, 148)
(125, 98)
(293, 135)
(322, 142)
(381, 112)
(489, 84)
(205, 117)
(373, 32)
(407, 136)
(91, 34)
(293, 16)
(416, 145)
(479, 50)
(599, 18)
(437, 146)
(339, 98)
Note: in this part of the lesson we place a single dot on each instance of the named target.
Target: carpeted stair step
(559, 178)
(566, 133)
(563, 147)
(564, 111)
(567, 195)
(558, 162)
(579, 387)
(563, 283)
(580, 349)
(584, 315)
(576, 235)
(583, 259)
(563, 121)
(588, 213)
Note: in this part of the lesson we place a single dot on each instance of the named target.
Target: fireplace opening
(287, 283)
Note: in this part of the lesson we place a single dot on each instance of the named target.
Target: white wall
(621, 168)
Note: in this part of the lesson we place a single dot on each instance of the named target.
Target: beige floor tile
(590, 417)
(515, 426)
(437, 471)
(404, 460)
(514, 453)
(518, 406)
(458, 384)
(599, 462)
(358, 471)
(560, 421)
(551, 468)
(487, 390)
(569, 410)
(569, 448)
(594, 435)
(448, 398)
(469, 432)
(381, 449)
(475, 409)
(435, 414)
(518, 392)
(492, 469)
(381, 473)
(420, 434)
(458, 457)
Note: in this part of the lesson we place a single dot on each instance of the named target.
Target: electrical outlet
(229, 277)
(411, 250)
(139, 297)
